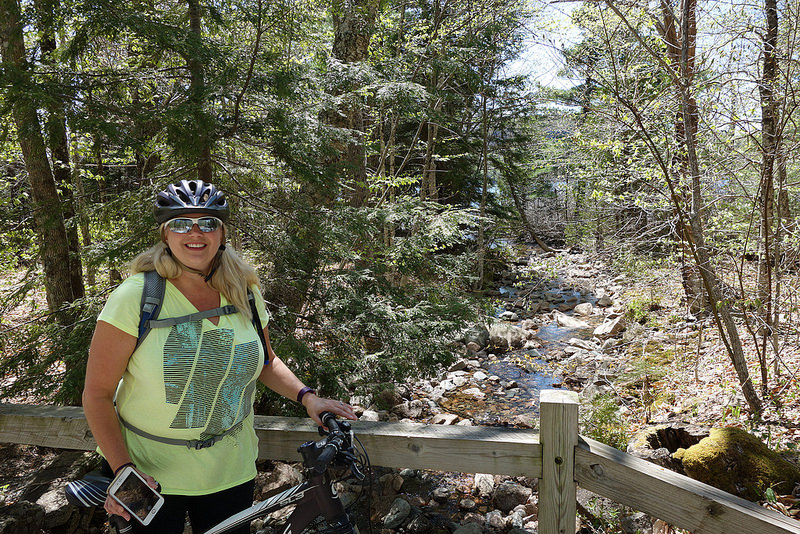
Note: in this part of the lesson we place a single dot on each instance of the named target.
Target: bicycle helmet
(190, 196)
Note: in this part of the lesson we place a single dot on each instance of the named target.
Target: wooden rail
(557, 455)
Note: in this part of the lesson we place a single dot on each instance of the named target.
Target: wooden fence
(556, 455)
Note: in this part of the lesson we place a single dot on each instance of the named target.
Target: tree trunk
(205, 168)
(56, 128)
(769, 143)
(682, 48)
(353, 24)
(48, 218)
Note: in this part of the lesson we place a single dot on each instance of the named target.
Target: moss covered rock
(737, 462)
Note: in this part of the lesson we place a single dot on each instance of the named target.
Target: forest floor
(687, 374)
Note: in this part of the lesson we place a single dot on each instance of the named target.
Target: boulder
(397, 514)
(506, 337)
(509, 316)
(469, 528)
(584, 309)
(610, 328)
(484, 485)
(565, 321)
(604, 298)
(735, 461)
(280, 476)
(510, 494)
(22, 517)
(409, 409)
(476, 338)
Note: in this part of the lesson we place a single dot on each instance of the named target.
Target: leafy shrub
(601, 420)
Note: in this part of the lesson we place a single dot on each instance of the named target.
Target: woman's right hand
(114, 508)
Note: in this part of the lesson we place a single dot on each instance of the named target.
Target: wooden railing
(557, 455)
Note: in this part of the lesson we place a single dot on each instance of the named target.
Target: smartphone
(131, 491)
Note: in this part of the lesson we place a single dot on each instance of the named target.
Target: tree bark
(56, 129)
(711, 282)
(205, 167)
(48, 218)
(353, 24)
(770, 139)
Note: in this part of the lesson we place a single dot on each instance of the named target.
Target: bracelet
(118, 469)
(303, 391)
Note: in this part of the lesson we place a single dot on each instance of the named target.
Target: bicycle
(316, 496)
(314, 499)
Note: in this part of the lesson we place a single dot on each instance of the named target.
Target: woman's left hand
(316, 405)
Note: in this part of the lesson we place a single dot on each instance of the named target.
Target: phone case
(133, 493)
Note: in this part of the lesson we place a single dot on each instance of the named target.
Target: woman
(194, 380)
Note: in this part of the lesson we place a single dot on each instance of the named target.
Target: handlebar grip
(329, 420)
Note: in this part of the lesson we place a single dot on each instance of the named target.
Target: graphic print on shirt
(213, 390)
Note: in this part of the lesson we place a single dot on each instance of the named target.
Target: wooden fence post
(558, 434)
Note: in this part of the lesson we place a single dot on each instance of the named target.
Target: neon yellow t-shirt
(189, 381)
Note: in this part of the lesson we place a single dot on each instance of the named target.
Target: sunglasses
(183, 225)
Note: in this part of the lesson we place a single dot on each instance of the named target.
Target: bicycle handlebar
(335, 446)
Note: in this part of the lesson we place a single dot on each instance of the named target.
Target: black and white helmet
(190, 196)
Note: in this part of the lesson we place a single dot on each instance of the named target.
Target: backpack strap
(152, 297)
(257, 324)
(196, 444)
(196, 316)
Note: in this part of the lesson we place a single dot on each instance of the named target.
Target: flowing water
(523, 374)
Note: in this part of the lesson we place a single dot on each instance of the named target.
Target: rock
(467, 504)
(57, 510)
(483, 485)
(735, 461)
(409, 409)
(370, 415)
(419, 525)
(460, 365)
(22, 517)
(505, 337)
(476, 338)
(444, 419)
(636, 523)
(398, 513)
(475, 393)
(391, 483)
(281, 475)
(610, 328)
(441, 494)
(469, 528)
(480, 376)
(604, 298)
(581, 343)
(509, 316)
(584, 309)
(509, 494)
(496, 521)
(389, 397)
(596, 388)
(565, 321)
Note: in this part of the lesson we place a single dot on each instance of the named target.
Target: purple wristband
(303, 391)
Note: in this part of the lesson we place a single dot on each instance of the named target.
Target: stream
(506, 390)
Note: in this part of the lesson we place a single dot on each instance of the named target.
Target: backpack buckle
(198, 444)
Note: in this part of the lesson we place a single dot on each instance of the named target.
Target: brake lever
(353, 464)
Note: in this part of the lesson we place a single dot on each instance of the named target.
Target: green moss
(739, 463)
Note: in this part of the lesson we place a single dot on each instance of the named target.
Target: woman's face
(195, 249)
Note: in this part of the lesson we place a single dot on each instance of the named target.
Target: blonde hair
(232, 277)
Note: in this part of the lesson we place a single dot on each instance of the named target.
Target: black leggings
(204, 511)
